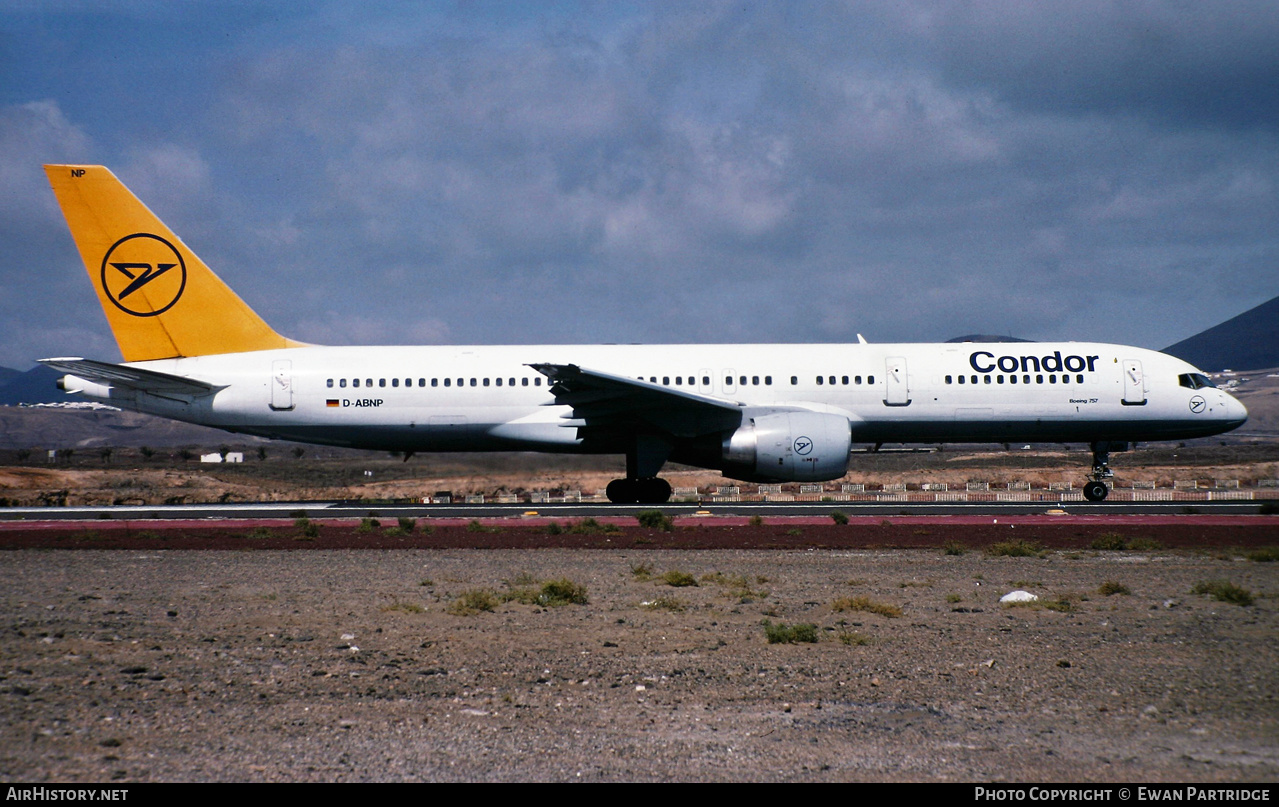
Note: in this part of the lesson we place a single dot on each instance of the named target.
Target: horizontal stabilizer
(120, 375)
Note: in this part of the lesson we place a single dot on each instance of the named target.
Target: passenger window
(368, 382)
(1079, 379)
(510, 382)
(819, 381)
(666, 381)
(1025, 379)
(435, 382)
(381, 382)
(870, 379)
(679, 380)
(857, 380)
(395, 382)
(329, 383)
(768, 381)
(961, 379)
(537, 382)
(999, 379)
(1039, 379)
(421, 382)
(355, 382)
(754, 381)
(974, 379)
(706, 381)
(472, 382)
(1012, 379)
(743, 381)
(499, 382)
(728, 381)
(844, 381)
(794, 380)
(1052, 379)
(987, 378)
(949, 379)
(448, 382)
(486, 382)
(342, 383)
(523, 382)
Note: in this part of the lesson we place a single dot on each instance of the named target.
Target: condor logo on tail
(138, 275)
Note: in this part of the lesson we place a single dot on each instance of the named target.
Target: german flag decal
(331, 402)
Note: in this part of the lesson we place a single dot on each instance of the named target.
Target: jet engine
(788, 447)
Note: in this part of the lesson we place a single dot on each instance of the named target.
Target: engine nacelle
(788, 447)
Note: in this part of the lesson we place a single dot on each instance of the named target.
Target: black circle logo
(803, 446)
(1197, 404)
(143, 274)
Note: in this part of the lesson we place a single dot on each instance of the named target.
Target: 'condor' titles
(986, 362)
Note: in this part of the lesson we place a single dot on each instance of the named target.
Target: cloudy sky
(401, 173)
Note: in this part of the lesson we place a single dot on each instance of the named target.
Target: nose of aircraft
(1233, 413)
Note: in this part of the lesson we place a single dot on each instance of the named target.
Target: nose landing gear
(1097, 490)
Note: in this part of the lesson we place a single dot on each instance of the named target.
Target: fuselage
(484, 398)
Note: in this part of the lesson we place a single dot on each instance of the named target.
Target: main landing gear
(1096, 489)
(643, 462)
(652, 490)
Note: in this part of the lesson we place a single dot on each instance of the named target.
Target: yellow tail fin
(160, 299)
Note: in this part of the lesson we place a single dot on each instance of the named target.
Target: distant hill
(1249, 341)
(34, 386)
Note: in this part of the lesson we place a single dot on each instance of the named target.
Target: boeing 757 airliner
(194, 351)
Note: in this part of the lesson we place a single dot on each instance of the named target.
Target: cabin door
(896, 383)
(1134, 384)
(282, 385)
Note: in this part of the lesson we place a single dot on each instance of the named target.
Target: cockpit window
(1195, 380)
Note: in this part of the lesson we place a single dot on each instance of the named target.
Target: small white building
(214, 457)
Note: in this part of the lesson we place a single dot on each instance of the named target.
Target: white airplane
(194, 351)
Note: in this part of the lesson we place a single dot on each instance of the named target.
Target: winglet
(160, 299)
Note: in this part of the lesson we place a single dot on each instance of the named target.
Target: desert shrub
(781, 633)
(1144, 544)
(839, 517)
(368, 525)
(756, 521)
(589, 526)
(672, 604)
(472, 601)
(562, 591)
(406, 524)
(1112, 587)
(1266, 554)
(1014, 549)
(307, 528)
(953, 548)
(1224, 591)
(854, 639)
(1109, 541)
(655, 520)
(678, 579)
(867, 605)
(642, 571)
(554, 528)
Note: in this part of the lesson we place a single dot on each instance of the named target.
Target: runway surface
(720, 512)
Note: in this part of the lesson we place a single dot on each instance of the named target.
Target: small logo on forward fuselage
(1197, 404)
(143, 275)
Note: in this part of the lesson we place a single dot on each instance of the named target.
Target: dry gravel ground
(345, 665)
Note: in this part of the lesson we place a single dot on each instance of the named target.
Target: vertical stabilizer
(160, 299)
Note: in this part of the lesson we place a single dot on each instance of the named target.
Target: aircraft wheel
(622, 491)
(654, 491)
(1096, 491)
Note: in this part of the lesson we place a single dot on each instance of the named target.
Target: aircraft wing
(119, 375)
(608, 401)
